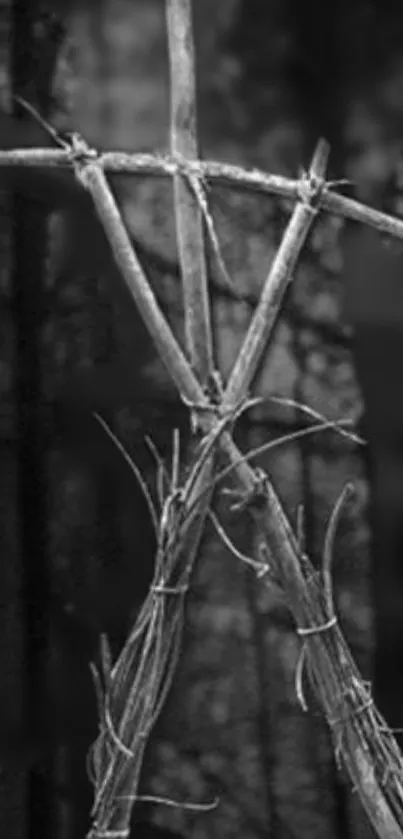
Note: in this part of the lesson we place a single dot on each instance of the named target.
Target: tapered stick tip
(320, 159)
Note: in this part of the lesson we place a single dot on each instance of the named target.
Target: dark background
(77, 545)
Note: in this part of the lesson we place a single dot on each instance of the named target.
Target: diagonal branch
(278, 280)
(91, 176)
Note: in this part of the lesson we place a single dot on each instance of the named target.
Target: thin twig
(346, 493)
(258, 565)
(238, 460)
(134, 468)
(310, 412)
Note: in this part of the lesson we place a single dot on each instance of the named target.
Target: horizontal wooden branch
(227, 175)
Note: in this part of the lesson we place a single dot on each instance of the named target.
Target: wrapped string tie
(305, 631)
(171, 590)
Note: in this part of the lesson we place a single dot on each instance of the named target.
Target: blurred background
(76, 543)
